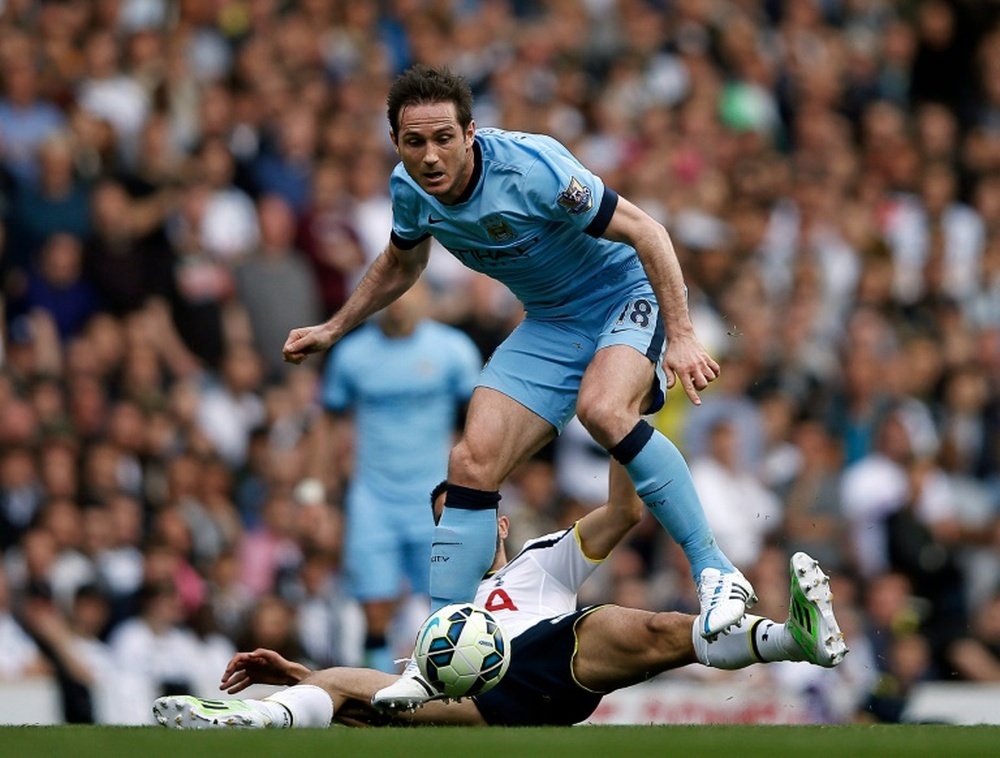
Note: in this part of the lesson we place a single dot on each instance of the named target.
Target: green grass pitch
(446, 742)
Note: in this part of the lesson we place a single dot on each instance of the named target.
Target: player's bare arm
(604, 527)
(389, 276)
(685, 358)
(260, 666)
(350, 689)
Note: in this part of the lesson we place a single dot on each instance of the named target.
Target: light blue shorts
(387, 547)
(541, 363)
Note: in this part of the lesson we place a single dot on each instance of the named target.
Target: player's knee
(671, 631)
(471, 467)
(607, 419)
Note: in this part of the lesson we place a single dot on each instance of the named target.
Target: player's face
(435, 150)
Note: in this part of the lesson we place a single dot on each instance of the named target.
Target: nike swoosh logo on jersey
(618, 329)
(432, 220)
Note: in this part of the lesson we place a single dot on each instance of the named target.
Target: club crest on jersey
(576, 198)
(498, 229)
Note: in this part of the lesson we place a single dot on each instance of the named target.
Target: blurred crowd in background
(184, 181)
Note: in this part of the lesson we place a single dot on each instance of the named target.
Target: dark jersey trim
(656, 343)
(404, 244)
(477, 171)
(603, 216)
(537, 545)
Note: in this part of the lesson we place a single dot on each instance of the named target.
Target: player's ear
(503, 527)
(395, 143)
(470, 132)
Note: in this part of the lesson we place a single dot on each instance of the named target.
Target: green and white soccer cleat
(810, 613)
(189, 712)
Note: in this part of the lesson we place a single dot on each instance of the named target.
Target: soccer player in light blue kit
(404, 378)
(606, 330)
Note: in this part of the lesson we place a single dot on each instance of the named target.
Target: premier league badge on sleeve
(576, 198)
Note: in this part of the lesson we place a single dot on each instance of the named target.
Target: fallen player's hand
(262, 666)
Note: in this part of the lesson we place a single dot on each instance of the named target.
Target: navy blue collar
(477, 171)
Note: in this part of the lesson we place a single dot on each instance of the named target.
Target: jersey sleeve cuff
(404, 244)
(579, 544)
(604, 213)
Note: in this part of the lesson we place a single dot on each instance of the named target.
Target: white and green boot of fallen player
(810, 613)
(298, 706)
(189, 712)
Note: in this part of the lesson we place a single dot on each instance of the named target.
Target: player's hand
(304, 341)
(262, 666)
(688, 362)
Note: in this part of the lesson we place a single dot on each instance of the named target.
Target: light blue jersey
(404, 394)
(531, 218)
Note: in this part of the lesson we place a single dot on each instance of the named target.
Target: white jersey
(539, 583)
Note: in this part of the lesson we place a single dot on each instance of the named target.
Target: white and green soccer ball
(462, 651)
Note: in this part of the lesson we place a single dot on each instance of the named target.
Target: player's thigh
(500, 433)
(625, 377)
(373, 554)
(541, 363)
(618, 647)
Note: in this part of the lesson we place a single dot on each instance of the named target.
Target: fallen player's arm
(261, 666)
(350, 689)
(604, 527)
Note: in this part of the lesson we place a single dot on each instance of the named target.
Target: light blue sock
(663, 481)
(464, 545)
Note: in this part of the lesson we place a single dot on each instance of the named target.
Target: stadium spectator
(19, 655)
(155, 643)
(328, 236)
(27, 119)
(976, 656)
(230, 406)
(118, 261)
(275, 284)
(740, 509)
(270, 553)
(21, 493)
(72, 643)
(57, 203)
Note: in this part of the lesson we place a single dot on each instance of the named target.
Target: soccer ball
(462, 651)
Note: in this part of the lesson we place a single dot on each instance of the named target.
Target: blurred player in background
(606, 330)
(405, 381)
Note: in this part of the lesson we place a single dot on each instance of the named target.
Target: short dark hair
(422, 84)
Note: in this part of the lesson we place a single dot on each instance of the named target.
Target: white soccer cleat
(724, 598)
(407, 693)
(189, 712)
(810, 613)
